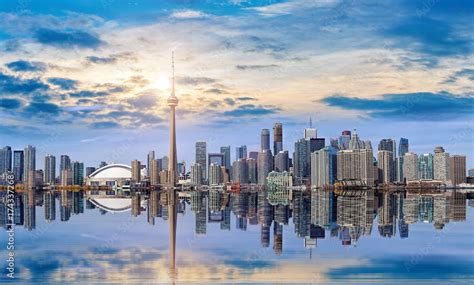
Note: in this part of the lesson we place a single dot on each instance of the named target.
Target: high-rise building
(155, 172)
(29, 165)
(240, 171)
(77, 173)
(333, 142)
(403, 147)
(457, 166)
(102, 164)
(323, 166)
(240, 152)
(344, 140)
(5, 159)
(389, 145)
(150, 158)
(216, 158)
(264, 165)
(282, 161)
(386, 164)
(18, 165)
(410, 166)
(253, 173)
(225, 150)
(196, 174)
(264, 139)
(215, 174)
(50, 169)
(136, 170)
(253, 154)
(356, 142)
(66, 177)
(225, 177)
(302, 156)
(90, 170)
(277, 138)
(65, 162)
(441, 165)
(356, 164)
(425, 166)
(201, 155)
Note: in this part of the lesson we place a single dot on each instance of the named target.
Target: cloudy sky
(90, 78)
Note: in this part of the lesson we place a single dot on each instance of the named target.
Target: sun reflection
(163, 83)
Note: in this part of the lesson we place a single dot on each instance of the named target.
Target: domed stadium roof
(113, 171)
(112, 204)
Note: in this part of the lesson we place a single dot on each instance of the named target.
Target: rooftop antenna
(310, 122)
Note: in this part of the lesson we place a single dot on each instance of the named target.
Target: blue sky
(78, 76)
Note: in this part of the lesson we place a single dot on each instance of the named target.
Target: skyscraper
(225, 150)
(344, 140)
(77, 173)
(403, 147)
(240, 152)
(29, 165)
(410, 166)
(386, 164)
(357, 164)
(50, 169)
(277, 138)
(425, 166)
(5, 159)
(18, 165)
(264, 139)
(441, 165)
(214, 174)
(323, 166)
(201, 154)
(136, 170)
(253, 174)
(310, 133)
(89, 170)
(154, 172)
(240, 171)
(216, 158)
(302, 155)
(458, 169)
(150, 158)
(196, 174)
(389, 145)
(355, 142)
(264, 165)
(282, 161)
(65, 162)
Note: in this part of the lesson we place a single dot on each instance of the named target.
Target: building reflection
(347, 215)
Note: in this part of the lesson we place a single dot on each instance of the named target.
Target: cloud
(88, 94)
(216, 91)
(289, 7)
(42, 107)
(10, 103)
(23, 65)
(463, 73)
(64, 83)
(429, 36)
(255, 66)
(229, 101)
(188, 80)
(143, 100)
(101, 60)
(412, 106)
(104, 125)
(188, 14)
(67, 39)
(246, 99)
(14, 84)
(251, 110)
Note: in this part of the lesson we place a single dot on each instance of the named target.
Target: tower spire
(172, 67)
(310, 122)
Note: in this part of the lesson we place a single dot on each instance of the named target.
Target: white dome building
(113, 175)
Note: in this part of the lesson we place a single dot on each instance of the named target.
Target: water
(252, 236)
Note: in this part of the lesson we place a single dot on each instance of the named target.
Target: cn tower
(172, 164)
(172, 177)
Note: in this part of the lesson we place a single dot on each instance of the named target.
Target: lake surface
(264, 236)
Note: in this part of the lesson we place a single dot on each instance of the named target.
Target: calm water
(251, 236)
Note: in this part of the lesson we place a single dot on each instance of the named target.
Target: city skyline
(77, 79)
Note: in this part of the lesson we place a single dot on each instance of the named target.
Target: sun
(162, 83)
